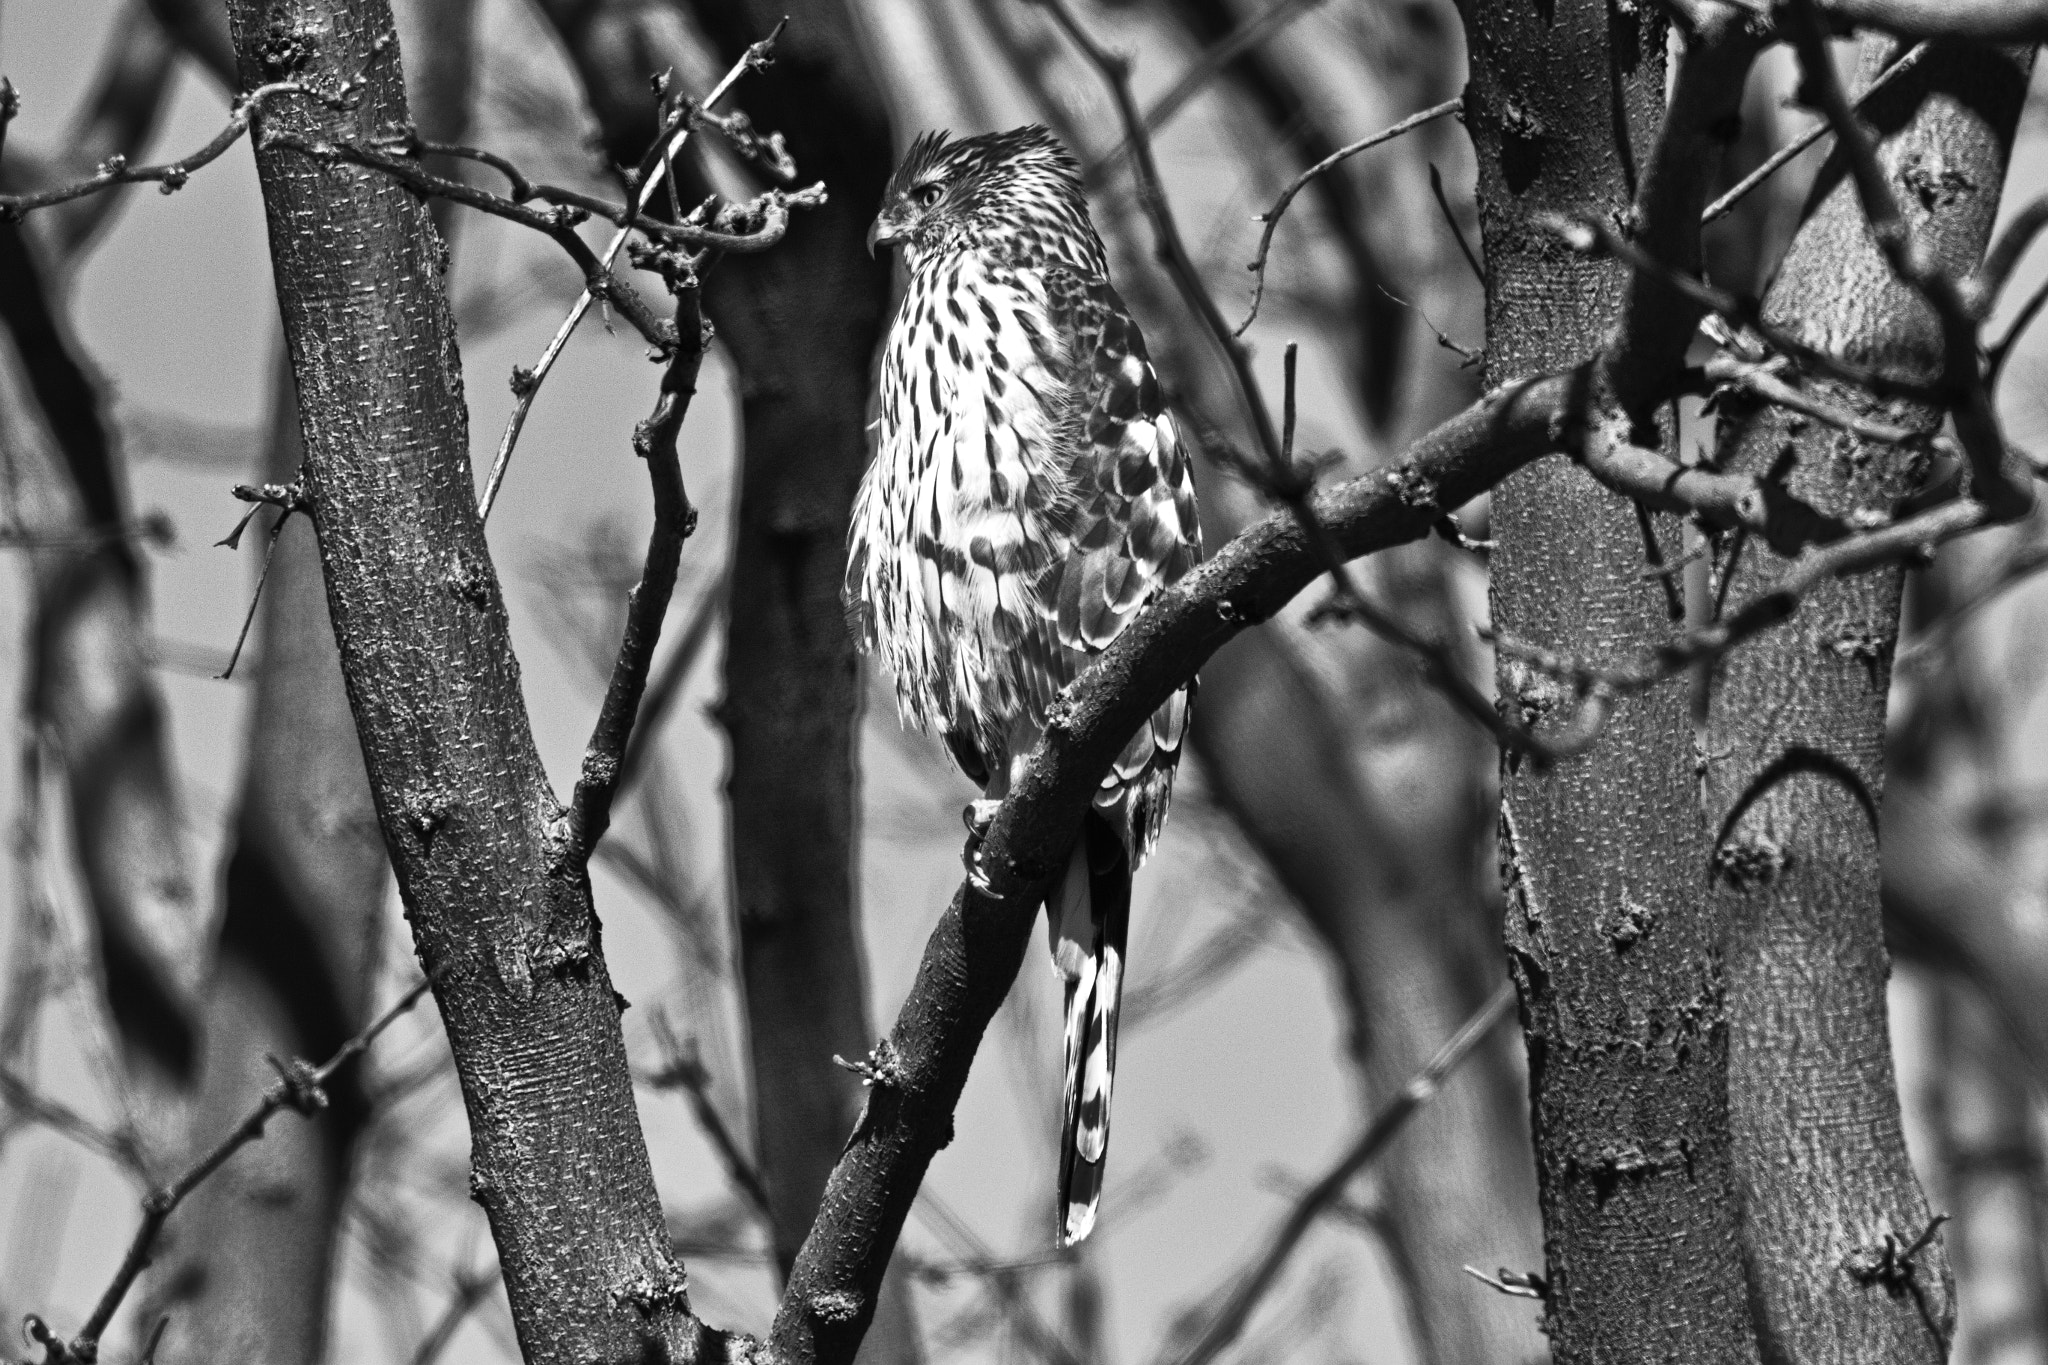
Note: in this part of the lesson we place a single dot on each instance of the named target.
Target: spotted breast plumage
(1029, 493)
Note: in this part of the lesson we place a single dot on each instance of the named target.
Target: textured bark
(1796, 767)
(498, 899)
(93, 686)
(1609, 933)
(248, 1262)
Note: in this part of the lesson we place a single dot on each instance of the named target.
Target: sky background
(1219, 1103)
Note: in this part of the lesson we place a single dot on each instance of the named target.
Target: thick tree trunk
(1609, 930)
(498, 897)
(247, 1267)
(1796, 767)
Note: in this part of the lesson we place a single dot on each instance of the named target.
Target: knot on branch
(1629, 926)
(1412, 486)
(1890, 1263)
(298, 1085)
(1632, 1161)
(427, 810)
(1750, 861)
(883, 1067)
(650, 1293)
(836, 1305)
(287, 47)
(56, 1350)
(562, 957)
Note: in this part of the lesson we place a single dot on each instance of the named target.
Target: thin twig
(1271, 217)
(1115, 71)
(1785, 154)
(120, 1147)
(1914, 537)
(471, 1289)
(1252, 1285)
(1443, 203)
(653, 170)
(682, 1068)
(1251, 34)
(300, 1087)
(172, 175)
(647, 604)
(2018, 567)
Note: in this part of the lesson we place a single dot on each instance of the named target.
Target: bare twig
(1778, 160)
(471, 1289)
(665, 686)
(119, 1147)
(289, 498)
(1229, 1321)
(2018, 567)
(1249, 35)
(1912, 538)
(1443, 203)
(654, 168)
(1271, 217)
(647, 604)
(683, 1069)
(1115, 71)
(300, 1087)
(172, 175)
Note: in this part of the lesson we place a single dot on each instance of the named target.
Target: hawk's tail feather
(1091, 920)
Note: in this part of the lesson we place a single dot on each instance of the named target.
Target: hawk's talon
(979, 815)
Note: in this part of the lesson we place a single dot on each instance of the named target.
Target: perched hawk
(1029, 494)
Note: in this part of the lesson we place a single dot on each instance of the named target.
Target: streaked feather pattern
(1029, 494)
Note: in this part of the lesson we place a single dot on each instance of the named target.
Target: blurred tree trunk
(492, 868)
(1796, 757)
(93, 689)
(247, 1270)
(1371, 807)
(791, 684)
(1609, 932)
(247, 1274)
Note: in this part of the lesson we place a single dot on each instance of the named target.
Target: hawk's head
(1019, 191)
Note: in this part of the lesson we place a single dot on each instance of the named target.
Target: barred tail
(1089, 920)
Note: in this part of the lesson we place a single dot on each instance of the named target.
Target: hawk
(1029, 493)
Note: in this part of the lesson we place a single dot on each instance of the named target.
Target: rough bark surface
(1608, 931)
(499, 904)
(1796, 770)
(248, 1262)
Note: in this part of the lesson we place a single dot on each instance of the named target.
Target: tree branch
(1271, 217)
(1229, 1321)
(975, 951)
(300, 1087)
(654, 440)
(647, 178)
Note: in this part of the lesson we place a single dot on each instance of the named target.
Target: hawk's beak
(882, 233)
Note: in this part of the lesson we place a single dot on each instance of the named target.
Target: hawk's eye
(927, 194)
